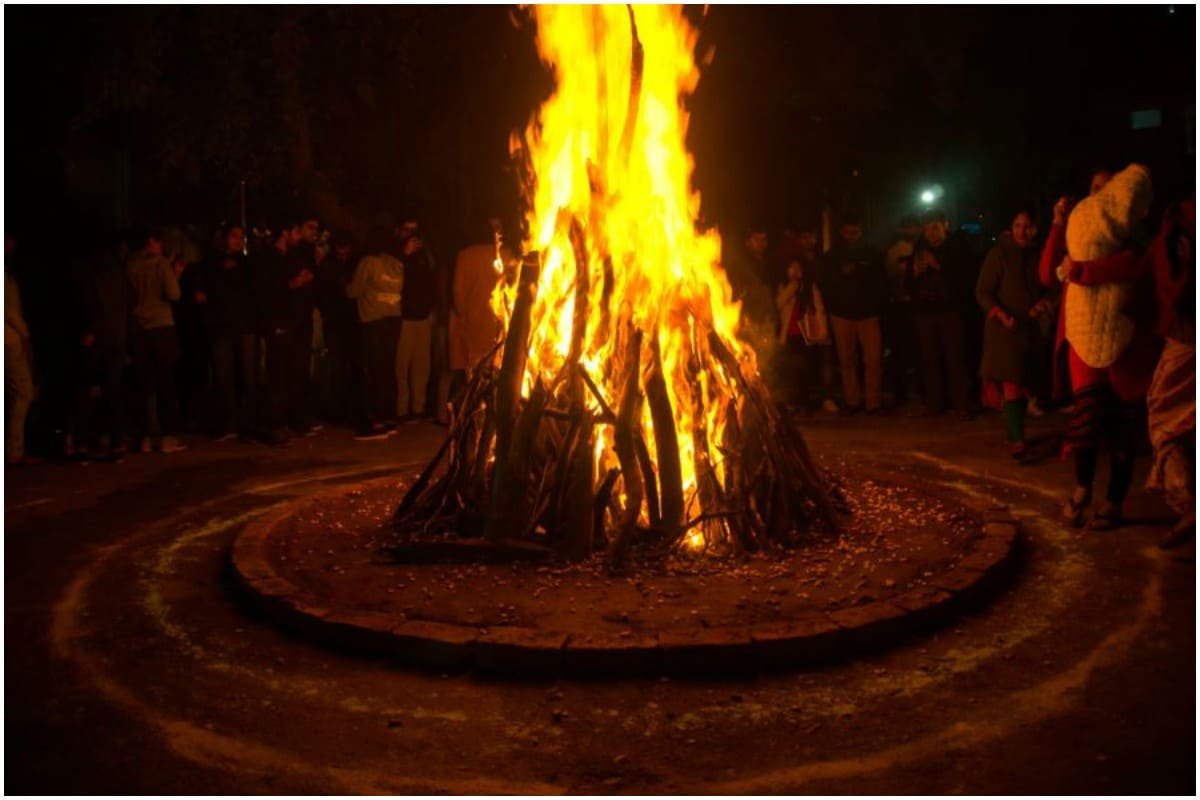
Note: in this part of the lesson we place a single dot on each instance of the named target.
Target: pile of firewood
(523, 467)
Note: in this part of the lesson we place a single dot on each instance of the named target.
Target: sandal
(1074, 510)
(1107, 518)
(1181, 533)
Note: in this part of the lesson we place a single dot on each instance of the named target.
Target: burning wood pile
(619, 407)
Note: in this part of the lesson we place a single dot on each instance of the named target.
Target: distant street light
(927, 197)
(931, 194)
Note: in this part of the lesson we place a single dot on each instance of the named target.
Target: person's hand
(88, 339)
(1062, 207)
(412, 245)
(1039, 308)
(1006, 320)
(201, 297)
(178, 265)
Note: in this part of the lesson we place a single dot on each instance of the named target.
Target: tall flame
(610, 155)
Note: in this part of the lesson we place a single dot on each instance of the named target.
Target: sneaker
(170, 444)
(374, 433)
(225, 437)
(1034, 409)
(829, 406)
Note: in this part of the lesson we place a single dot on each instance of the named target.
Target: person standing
(473, 325)
(939, 279)
(301, 259)
(377, 286)
(854, 285)
(276, 278)
(225, 294)
(1171, 401)
(154, 342)
(417, 303)
(1111, 345)
(1014, 302)
(899, 328)
(102, 303)
(18, 365)
(339, 322)
(804, 330)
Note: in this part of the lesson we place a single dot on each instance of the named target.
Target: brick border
(814, 638)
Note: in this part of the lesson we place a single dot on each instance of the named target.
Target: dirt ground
(130, 668)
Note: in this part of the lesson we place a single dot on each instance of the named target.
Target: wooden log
(601, 501)
(508, 394)
(649, 481)
(666, 443)
(578, 519)
(795, 470)
(623, 443)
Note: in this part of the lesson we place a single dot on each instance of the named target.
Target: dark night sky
(120, 115)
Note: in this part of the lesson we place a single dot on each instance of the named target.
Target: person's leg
(1126, 425)
(300, 350)
(143, 360)
(931, 370)
(845, 340)
(223, 349)
(1015, 404)
(166, 358)
(421, 356)
(392, 347)
(246, 407)
(871, 337)
(113, 367)
(405, 352)
(278, 363)
(18, 385)
(1091, 394)
(953, 336)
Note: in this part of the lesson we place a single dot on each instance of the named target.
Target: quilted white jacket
(1099, 226)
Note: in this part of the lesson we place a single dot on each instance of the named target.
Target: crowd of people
(281, 329)
(936, 324)
(276, 332)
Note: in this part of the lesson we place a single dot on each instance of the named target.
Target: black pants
(235, 383)
(799, 372)
(103, 368)
(941, 336)
(344, 343)
(379, 347)
(155, 353)
(300, 415)
(900, 360)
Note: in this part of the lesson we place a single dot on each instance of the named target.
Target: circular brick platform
(804, 637)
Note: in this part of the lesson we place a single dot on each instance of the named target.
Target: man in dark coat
(853, 283)
(939, 279)
(102, 308)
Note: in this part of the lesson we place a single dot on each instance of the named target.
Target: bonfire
(619, 409)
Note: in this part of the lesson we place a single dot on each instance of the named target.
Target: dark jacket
(853, 282)
(948, 286)
(419, 297)
(103, 302)
(228, 308)
(1009, 282)
(333, 276)
(269, 275)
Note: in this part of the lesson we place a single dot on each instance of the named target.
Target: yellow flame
(635, 204)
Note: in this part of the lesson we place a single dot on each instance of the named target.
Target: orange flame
(620, 168)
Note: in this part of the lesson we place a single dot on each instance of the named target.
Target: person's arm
(170, 282)
(1126, 265)
(1053, 252)
(784, 295)
(988, 283)
(354, 288)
